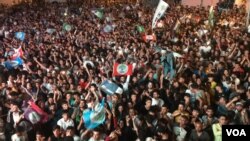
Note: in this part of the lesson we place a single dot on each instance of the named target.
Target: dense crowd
(209, 86)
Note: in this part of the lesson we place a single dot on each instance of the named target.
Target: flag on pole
(110, 87)
(160, 10)
(122, 69)
(20, 35)
(13, 63)
(98, 13)
(211, 16)
(94, 117)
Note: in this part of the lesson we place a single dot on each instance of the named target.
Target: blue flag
(20, 35)
(108, 28)
(13, 63)
(94, 117)
(110, 88)
(168, 63)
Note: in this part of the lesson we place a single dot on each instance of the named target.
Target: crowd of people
(208, 85)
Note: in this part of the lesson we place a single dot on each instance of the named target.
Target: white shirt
(64, 124)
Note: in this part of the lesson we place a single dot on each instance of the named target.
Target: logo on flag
(94, 117)
(122, 69)
(160, 10)
(149, 37)
(13, 63)
(20, 35)
(67, 27)
(110, 88)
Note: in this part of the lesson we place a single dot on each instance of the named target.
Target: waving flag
(98, 13)
(110, 88)
(32, 116)
(20, 35)
(108, 28)
(13, 63)
(94, 117)
(211, 16)
(160, 10)
(168, 63)
(122, 69)
(17, 53)
(149, 37)
(140, 29)
(67, 27)
(38, 111)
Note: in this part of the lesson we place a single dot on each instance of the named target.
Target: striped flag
(35, 114)
(94, 117)
(110, 87)
(17, 53)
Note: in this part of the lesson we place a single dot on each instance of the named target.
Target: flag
(17, 53)
(13, 63)
(211, 16)
(35, 114)
(140, 29)
(50, 30)
(67, 27)
(20, 35)
(32, 116)
(168, 64)
(94, 117)
(108, 28)
(122, 69)
(248, 12)
(98, 13)
(110, 87)
(149, 37)
(160, 10)
(177, 25)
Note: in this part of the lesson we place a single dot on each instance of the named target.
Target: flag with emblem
(67, 27)
(13, 63)
(110, 88)
(160, 10)
(94, 117)
(149, 37)
(122, 69)
(20, 35)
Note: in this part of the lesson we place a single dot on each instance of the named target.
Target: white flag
(160, 10)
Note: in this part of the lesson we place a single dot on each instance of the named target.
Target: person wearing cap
(241, 116)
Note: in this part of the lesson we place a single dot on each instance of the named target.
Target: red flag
(122, 69)
(43, 114)
(18, 53)
(149, 37)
